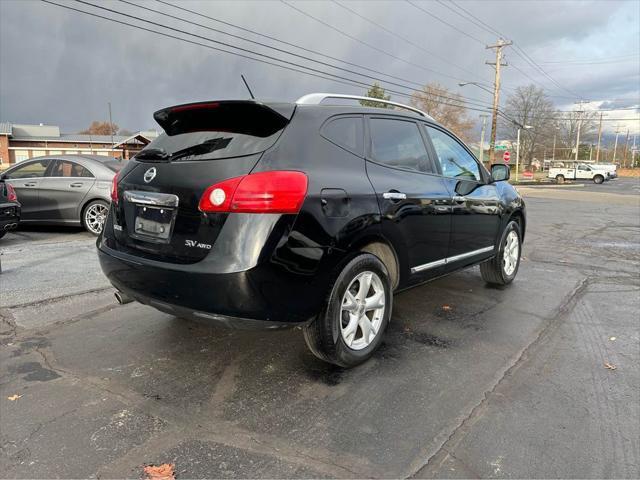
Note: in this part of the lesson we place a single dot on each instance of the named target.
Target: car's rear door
(25, 179)
(63, 189)
(413, 201)
(475, 208)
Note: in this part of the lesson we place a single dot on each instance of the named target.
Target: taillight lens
(264, 192)
(114, 188)
(11, 193)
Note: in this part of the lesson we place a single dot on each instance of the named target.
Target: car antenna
(247, 85)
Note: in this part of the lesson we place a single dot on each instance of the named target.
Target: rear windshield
(223, 144)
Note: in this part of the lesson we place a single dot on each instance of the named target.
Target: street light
(462, 84)
(520, 127)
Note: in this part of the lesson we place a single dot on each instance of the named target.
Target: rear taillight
(265, 192)
(11, 193)
(114, 188)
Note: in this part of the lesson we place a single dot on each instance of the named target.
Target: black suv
(277, 214)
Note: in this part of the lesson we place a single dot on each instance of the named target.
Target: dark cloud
(60, 67)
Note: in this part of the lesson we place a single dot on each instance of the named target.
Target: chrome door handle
(394, 196)
(459, 199)
(76, 185)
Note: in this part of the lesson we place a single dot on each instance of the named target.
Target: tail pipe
(122, 297)
(11, 226)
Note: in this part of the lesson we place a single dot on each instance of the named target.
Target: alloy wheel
(511, 253)
(95, 217)
(362, 310)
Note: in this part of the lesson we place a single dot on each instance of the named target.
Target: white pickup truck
(580, 171)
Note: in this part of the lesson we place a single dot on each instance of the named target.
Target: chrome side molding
(455, 258)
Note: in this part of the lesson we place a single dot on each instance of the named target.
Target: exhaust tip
(122, 297)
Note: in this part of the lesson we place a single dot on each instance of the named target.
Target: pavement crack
(458, 433)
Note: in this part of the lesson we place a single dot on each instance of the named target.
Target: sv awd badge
(194, 244)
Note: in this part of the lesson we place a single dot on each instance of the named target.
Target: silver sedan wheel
(95, 216)
(511, 253)
(362, 311)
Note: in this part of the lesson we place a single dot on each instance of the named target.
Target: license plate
(154, 222)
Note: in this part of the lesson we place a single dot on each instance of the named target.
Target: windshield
(215, 144)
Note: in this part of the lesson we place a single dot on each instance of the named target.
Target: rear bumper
(262, 297)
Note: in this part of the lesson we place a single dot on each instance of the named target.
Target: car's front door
(583, 172)
(25, 179)
(63, 189)
(413, 200)
(476, 205)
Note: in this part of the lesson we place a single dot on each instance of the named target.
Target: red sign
(527, 174)
(506, 156)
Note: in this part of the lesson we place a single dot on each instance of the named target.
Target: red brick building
(20, 142)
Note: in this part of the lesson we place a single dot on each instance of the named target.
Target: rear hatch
(159, 190)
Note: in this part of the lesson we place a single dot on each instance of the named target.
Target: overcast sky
(61, 67)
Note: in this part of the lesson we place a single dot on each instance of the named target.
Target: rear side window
(454, 159)
(347, 132)
(397, 143)
(63, 168)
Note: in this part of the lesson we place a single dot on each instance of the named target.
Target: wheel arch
(383, 249)
(519, 217)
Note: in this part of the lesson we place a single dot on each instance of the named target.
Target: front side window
(454, 159)
(63, 168)
(346, 132)
(397, 143)
(29, 170)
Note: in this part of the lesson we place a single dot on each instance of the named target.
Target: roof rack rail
(318, 98)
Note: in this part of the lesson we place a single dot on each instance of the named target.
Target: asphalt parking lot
(470, 382)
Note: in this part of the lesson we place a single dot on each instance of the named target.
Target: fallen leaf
(610, 366)
(13, 398)
(446, 308)
(160, 472)
(613, 339)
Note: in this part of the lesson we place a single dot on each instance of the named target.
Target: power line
(446, 23)
(401, 37)
(373, 47)
(322, 75)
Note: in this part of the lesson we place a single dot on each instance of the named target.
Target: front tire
(598, 179)
(357, 312)
(503, 268)
(94, 216)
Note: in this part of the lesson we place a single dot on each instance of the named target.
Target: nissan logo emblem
(150, 174)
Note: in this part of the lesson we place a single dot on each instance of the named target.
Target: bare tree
(101, 128)
(530, 106)
(445, 107)
(569, 130)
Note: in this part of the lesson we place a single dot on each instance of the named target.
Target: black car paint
(279, 268)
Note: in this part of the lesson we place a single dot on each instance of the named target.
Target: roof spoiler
(248, 117)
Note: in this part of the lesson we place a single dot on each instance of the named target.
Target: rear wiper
(157, 154)
(202, 148)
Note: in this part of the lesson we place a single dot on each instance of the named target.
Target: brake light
(114, 188)
(278, 191)
(11, 193)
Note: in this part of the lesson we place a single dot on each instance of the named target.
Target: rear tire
(503, 268)
(560, 179)
(94, 216)
(357, 312)
(598, 179)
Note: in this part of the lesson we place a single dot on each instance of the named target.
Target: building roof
(51, 133)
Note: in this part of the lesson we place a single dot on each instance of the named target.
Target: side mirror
(500, 172)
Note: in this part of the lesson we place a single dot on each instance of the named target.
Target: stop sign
(506, 156)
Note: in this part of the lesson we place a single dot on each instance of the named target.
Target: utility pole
(599, 138)
(579, 112)
(626, 148)
(615, 145)
(496, 91)
(111, 128)
(484, 124)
